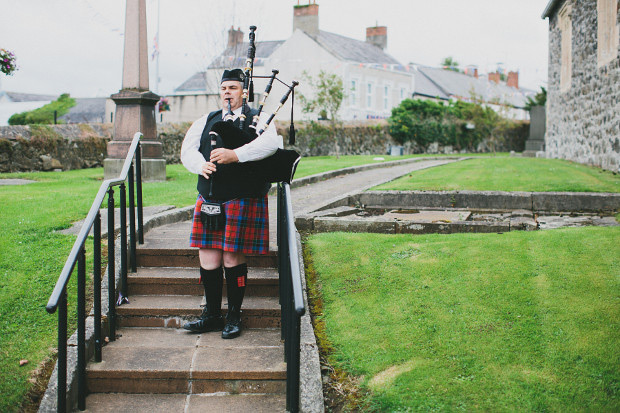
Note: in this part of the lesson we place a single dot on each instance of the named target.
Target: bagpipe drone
(279, 167)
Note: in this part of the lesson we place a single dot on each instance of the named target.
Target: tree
(44, 114)
(328, 91)
(540, 99)
(450, 64)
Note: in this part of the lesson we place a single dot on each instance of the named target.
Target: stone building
(583, 95)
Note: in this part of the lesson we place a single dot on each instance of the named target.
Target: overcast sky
(76, 46)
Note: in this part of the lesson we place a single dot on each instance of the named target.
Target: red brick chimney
(377, 35)
(494, 77)
(235, 37)
(306, 18)
(513, 79)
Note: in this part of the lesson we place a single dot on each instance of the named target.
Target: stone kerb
(491, 211)
(490, 200)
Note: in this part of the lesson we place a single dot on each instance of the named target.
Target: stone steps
(185, 281)
(168, 361)
(173, 311)
(188, 257)
(193, 403)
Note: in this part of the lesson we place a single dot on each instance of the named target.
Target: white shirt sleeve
(263, 146)
(191, 157)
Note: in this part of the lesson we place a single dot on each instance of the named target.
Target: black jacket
(234, 180)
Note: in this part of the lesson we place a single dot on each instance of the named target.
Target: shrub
(462, 125)
(44, 114)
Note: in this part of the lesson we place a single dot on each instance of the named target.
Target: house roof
(236, 56)
(423, 85)
(86, 110)
(551, 6)
(197, 82)
(28, 97)
(353, 50)
(461, 86)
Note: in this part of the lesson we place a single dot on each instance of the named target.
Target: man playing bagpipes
(231, 217)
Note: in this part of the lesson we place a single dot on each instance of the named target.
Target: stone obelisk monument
(135, 103)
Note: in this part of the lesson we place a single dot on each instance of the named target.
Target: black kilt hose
(243, 199)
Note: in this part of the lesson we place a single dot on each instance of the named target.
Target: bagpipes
(279, 167)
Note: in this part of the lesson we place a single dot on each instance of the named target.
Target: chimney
(494, 77)
(306, 18)
(377, 35)
(235, 37)
(513, 80)
(472, 71)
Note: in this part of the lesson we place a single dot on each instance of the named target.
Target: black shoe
(232, 328)
(205, 324)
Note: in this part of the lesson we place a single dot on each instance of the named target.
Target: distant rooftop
(353, 50)
(441, 83)
(86, 110)
(235, 56)
(27, 97)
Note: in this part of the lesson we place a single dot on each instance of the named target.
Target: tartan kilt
(246, 230)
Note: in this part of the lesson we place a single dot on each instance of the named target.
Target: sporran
(213, 216)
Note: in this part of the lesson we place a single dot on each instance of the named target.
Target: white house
(374, 81)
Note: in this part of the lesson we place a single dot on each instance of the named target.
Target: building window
(353, 93)
(566, 30)
(403, 93)
(607, 44)
(369, 95)
(386, 97)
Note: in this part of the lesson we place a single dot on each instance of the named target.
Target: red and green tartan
(246, 230)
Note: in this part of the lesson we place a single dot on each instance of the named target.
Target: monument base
(153, 170)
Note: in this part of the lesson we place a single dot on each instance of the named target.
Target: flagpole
(157, 61)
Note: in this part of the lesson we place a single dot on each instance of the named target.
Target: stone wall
(76, 146)
(53, 147)
(583, 123)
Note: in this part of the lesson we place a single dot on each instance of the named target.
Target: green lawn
(509, 174)
(318, 164)
(32, 253)
(521, 321)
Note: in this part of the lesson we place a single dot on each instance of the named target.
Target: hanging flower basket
(162, 105)
(7, 62)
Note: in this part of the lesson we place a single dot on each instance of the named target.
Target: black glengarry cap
(233, 74)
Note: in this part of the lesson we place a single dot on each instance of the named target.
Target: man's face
(231, 89)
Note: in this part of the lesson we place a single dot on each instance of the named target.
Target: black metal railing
(291, 295)
(58, 299)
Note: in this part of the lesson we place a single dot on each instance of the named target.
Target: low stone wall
(53, 147)
(77, 146)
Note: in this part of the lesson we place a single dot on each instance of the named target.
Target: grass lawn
(509, 174)
(32, 253)
(317, 164)
(521, 321)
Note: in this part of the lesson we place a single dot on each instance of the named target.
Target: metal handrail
(293, 253)
(58, 298)
(65, 274)
(291, 294)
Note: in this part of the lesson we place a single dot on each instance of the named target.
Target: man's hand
(207, 169)
(223, 156)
